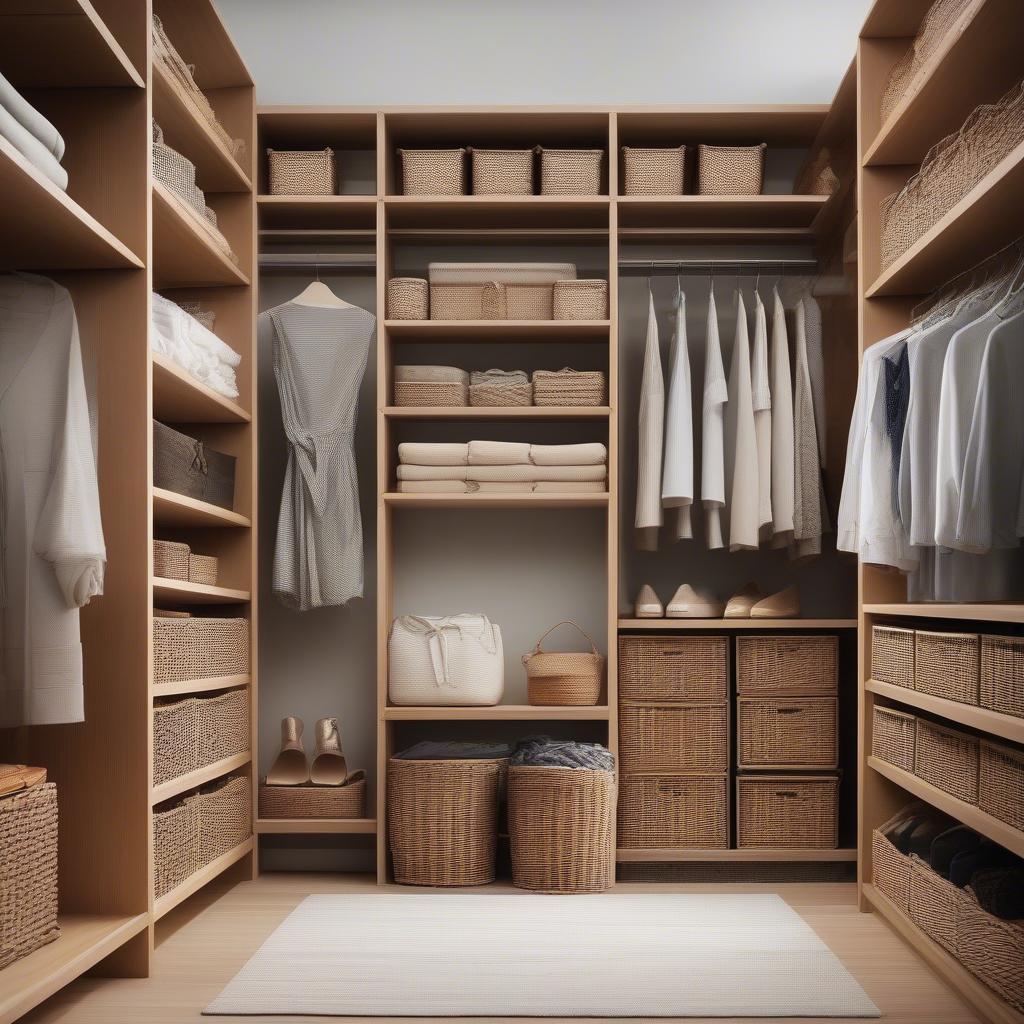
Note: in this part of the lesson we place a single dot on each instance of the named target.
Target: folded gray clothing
(452, 750)
(32, 149)
(30, 119)
(542, 751)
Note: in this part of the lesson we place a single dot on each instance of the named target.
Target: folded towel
(499, 487)
(433, 487)
(30, 119)
(32, 149)
(570, 486)
(948, 844)
(498, 453)
(591, 454)
(504, 486)
(514, 473)
(422, 453)
(1000, 891)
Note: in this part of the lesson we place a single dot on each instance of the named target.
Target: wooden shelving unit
(178, 510)
(179, 398)
(210, 872)
(193, 780)
(183, 592)
(316, 826)
(469, 412)
(744, 856)
(208, 685)
(973, 612)
(729, 625)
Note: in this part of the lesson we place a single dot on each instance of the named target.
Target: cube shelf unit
(975, 63)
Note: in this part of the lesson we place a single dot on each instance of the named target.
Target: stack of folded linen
(502, 466)
(180, 337)
(31, 134)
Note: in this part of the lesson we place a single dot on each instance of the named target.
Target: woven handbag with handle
(564, 678)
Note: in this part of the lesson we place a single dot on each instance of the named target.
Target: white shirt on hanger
(782, 426)
(651, 433)
(677, 477)
(741, 477)
(716, 395)
(762, 401)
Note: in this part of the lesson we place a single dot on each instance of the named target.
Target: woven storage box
(674, 812)
(947, 759)
(947, 665)
(774, 732)
(203, 569)
(1001, 783)
(437, 393)
(568, 387)
(893, 735)
(177, 172)
(443, 820)
(653, 172)
(570, 172)
(1002, 674)
(674, 738)
(570, 678)
(561, 824)
(495, 393)
(170, 560)
(28, 883)
(674, 668)
(199, 648)
(187, 466)
(175, 845)
(428, 374)
(730, 170)
(933, 904)
(348, 801)
(892, 655)
(775, 811)
(502, 172)
(787, 665)
(433, 172)
(408, 298)
(992, 949)
(582, 299)
(494, 291)
(301, 172)
(890, 871)
(224, 817)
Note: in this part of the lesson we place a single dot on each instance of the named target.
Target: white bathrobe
(55, 554)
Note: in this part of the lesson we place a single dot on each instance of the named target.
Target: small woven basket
(796, 732)
(408, 298)
(787, 665)
(570, 172)
(301, 172)
(1002, 674)
(730, 170)
(446, 394)
(582, 299)
(501, 394)
(674, 668)
(191, 648)
(947, 665)
(653, 172)
(893, 736)
(433, 172)
(203, 569)
(673, 738)
(170, 559)
(890, 870)
(561, 824)
(502, 172)
(568, 387)
(947, 759)
(892, 655)
(1001, 783)
(674, 812)
(347, 801)
(786, 811)
(572, 679)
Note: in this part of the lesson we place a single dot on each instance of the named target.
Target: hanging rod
(327, 260)
(716, 262)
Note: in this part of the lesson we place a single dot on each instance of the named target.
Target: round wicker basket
(572, 678)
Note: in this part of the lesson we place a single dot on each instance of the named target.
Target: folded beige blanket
(570, 487)
(433, 486)
(500, 487)
(514, 473)
(592, 454)
(498, 453)
(423, 453)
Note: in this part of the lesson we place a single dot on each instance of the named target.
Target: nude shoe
(328, 768)
(648, 605)
(290, 767)
(783, 605)
(739, 605)
(688, 603)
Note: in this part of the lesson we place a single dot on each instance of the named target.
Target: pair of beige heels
(690, 603)
(291, 767)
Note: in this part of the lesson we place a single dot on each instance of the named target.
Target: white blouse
(741, 474)
(716, 395)
(782, 426)
(677, 478)
(762, 401)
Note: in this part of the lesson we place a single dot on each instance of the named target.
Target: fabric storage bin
(687, 668)
(301, 172)
(433, 172)
(561, 824)
(653, 172)
(893, 735)
(674, 812)
(787, 665)
(431, 393)
(892, 655)
(571, 679)
(568, 387)
(784, 811)
(187, 466)
(674, 738)
(890, 871)
(494, 291)
(947, 759)
(730, 170)
(408, 298)
(787, 732)
(582, 299)
(347, 801)
(933, 904)
(199, 648)
(570, 172)
(1002, 675)
(175, 845)
(28, 882)
(203, 569)
(947, 665)
(443, 820)
(1001, 783)
(224, 817)
(170, 560)
(992, 949)
(502, 172)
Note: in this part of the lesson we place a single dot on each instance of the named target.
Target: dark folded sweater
(1000, 891)
(984, 856)
(948, 844)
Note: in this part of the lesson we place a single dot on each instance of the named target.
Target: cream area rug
(467, 955)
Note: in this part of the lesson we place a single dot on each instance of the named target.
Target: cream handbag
(445, 660)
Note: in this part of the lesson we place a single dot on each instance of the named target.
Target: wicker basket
(170, 560)
(890, 871)
(203, 569)
(568, 387)
(431, 393)
(504, 395)
(175, 845)
(502, 172)
(774, 811)
(177, 173)
(1001, 783)
(430, 374)
(674, 812)
(187, 466)
(787, 665)
(443, 820)
(224, 813)
(28, 882)
(947, 759)
(947, 665)
(495, 300)
(730, 170)
(893, 736)
(674, 738)
(992, 949)
(582, 299)
(301, 172)
(773, 732)
(933, 904)
(561, 824)
(570, 172)
(1002, 675)
(653, 172)
(892, 655)
(347, 801)
(433, 172)
(687, 668)
(408, 298)
(571, 679)
(191, 648)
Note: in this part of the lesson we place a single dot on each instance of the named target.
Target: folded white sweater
(30, 119)
(32, 149)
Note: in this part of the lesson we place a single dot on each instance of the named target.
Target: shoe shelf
(997, 612)
(677, 625)
(746, 856)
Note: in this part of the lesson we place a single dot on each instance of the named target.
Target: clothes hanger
(317, 294)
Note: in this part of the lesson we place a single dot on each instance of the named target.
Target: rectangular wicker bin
(502, 172)
(570, 172)
(730, 170)
(893, 736)
(653, 172)
(947, 759)
(1001, 782)
(892, 655)
(187, 466)
(674, 812)
(787, 732)
(1002, 675)
(301, 172)
(947, 665)
(199, 648)
(340, 802)
(684, 668)
(787, 665)
(673, 738)
(787, 811)
(433, 172)
(890, 871)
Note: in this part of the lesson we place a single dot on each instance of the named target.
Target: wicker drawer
(992, 949)
(348, 801)
(947, 665)
(198, 731)
(787, 733)
(199, 648)
(787, 665)
(890, 871)
(1002, 674)
(892, 737)
(1001, 783)
(674, 668)
(673, 738)
(892, 655)
(947, 759)
(674, 812)
(786, 811)
(933, 904)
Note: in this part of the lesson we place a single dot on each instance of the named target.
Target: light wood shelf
(494, 412)
(676, 625)
(328, 213)
(895, 20)
(171, 509)
(745, 856)
(764, 212)
(502, 712)
(316, 826)
(497, 330)
(166, 903)
(208, 685)
(524, 501)
(201, 776)
(973, 612)
(185, 592)
(179, 398)
(484, 213)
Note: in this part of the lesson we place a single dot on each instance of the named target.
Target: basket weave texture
(301, 172)
(933, 904)
(203, 569)
(787, 811)
(495, 300)
(1002, 674)
(187, 466)
(436, 393)
(892, 655)
(789, 665)
(562, 828)
(568, 387)
(502, 172)
(947, 759)
(775, 732)
(730, 170)
(673, 738)
(674, 668)
(1001, 783)
(224, 814)
(653, 172)
(170, 559)
(348, 801)
(499, 393)
(564, 678)
(674, 811)
(570, 172)
(199, 648)
(198, 731)
(893, 735)
(408, 298)
(891, 870)
(582, 299)
(947, 665)
(433, 172)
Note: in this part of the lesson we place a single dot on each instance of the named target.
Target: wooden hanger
(316, 293)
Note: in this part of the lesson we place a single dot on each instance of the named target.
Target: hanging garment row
(762, 446)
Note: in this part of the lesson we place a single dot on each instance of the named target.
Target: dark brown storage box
(186, 466)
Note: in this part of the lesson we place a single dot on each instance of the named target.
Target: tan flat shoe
(688, 603)
(648, 605)
(783, 605)
(739, 605)
(328, 768)
(290, 767)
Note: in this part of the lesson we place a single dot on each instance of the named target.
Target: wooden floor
(204, 943)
